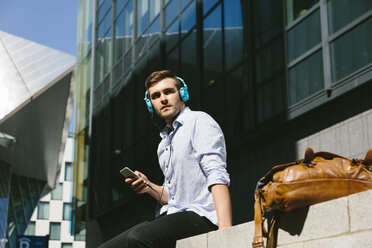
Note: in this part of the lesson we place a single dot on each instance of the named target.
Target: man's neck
(170, 124)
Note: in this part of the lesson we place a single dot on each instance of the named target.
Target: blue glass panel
(184, 3)
(214, 20)
(233, 33)
(101, 31)
(233, 14)
(154, 9)
(154, 30)
(212, 46)
(128, 26)
(188, 19)
(119, 36)
(119, 6)
(208, 4)
(101, 13)
(171, 11)
(172, 35)
(108, 4)
(143, 16)
(108, 21)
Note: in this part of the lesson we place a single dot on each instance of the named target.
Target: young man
(192, 156)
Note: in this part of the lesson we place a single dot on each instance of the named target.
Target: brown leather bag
(318, 177)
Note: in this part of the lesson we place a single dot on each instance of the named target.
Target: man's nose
(163, 98)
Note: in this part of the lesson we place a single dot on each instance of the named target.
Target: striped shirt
(192, 158)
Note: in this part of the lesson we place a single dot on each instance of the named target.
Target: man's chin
(167, 114)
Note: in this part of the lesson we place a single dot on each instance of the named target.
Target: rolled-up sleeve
(210, 150)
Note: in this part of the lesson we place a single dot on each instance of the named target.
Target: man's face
(166, 100)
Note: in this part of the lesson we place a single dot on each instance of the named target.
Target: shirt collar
(176, 123)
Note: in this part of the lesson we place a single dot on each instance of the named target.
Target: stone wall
(343, 223)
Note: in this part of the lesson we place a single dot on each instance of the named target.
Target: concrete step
(343, 223)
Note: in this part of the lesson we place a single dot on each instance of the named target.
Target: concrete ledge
(344, 222)
(236, 236)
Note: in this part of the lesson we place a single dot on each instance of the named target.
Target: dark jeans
(162, 232)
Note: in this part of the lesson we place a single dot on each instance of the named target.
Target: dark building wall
(266, 72)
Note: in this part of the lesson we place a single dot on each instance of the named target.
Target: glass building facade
(261, 68)
(34, 91)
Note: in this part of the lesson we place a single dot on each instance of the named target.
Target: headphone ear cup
(149, 105)
(184, 93)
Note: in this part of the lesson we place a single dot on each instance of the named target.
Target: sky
(52, 23)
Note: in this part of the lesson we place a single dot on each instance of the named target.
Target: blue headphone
(184, 94)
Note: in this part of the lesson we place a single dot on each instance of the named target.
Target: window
(297, 8)
(80, 236)
(172, 35)
(328, 42)
(306, 78)
(30, 230)
(352, 51)
(55, 231)
(189, 60)
(233, 26)
(212, 46)
(188, 19)
(68, 171)
(207, 5)
(67, 208)
(57, 192)
(303, 36)
(43, 211)
(304, 51)
(66, 245)
(342, 12)
(171, 11)
(128, 25)
(119, 36)
(142, 15)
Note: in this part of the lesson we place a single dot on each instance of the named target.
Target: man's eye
(169, 92)
(154, 96)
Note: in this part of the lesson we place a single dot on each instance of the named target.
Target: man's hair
(157, 76)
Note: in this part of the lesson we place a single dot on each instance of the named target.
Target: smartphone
(126, 172)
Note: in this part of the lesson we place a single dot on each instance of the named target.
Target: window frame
(332, 88)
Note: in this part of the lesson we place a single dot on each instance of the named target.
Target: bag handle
(309, 155)
(368, 158)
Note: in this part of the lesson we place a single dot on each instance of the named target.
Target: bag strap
(258, 223)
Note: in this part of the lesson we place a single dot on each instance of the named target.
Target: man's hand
(143, 185)
(140, 185)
